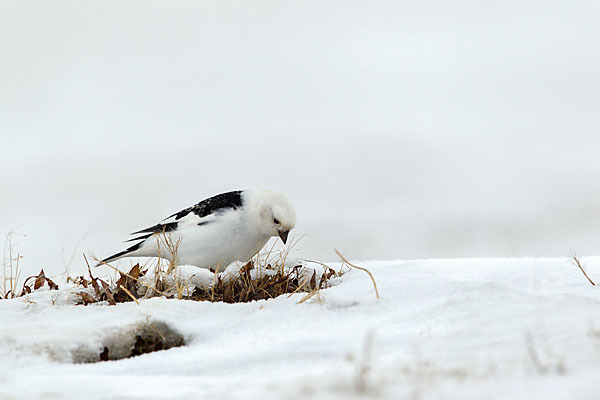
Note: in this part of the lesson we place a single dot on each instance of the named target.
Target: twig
(309, 295)
(129, 293)
(576, 259)
(320, 263)
(300, 287)
(361, 268)
(88, 265)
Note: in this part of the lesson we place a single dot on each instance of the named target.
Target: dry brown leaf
(94, 283)
(51, 284)
(109, 297)
(228, 294)
(134, 272)
(86, 298)
(313, 280)
(39, 281)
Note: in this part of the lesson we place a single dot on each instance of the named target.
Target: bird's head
(276, 213)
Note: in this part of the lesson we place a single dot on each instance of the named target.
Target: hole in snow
(134, 341)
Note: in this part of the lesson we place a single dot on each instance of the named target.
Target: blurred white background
(400, 129)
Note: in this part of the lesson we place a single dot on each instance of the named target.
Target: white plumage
(229, 227)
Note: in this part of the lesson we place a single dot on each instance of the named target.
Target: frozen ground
(472, 328)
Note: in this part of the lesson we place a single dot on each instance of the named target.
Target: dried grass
(265, 277)
(577, 262)
(10, 270)
(249, 284)
(362, 269)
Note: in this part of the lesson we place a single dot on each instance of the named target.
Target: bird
(217, 231)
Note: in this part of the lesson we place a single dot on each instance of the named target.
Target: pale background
(400, 129)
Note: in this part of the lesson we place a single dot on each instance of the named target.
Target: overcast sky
(400, 129)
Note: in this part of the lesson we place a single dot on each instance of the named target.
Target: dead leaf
(134, 272)
(86, 298)
(51, 284)
(228, 294)
(109, 297)
(39, 281)
(95, 286)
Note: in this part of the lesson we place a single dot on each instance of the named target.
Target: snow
(463, 328)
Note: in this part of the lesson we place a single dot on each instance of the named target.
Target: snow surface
(472, 328)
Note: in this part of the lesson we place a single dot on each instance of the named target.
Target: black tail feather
(168, 227)
(160, 228)
(144, 237)
(122, 253)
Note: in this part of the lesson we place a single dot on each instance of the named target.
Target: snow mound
(476, 328)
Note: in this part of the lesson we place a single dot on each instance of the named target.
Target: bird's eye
(276, 221)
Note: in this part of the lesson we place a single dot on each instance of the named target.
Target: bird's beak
(283, 235)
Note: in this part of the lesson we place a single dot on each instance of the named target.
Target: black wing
(158, 228)
(211, 205)
(229, 200)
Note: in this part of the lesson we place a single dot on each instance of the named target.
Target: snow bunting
(228, 227)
